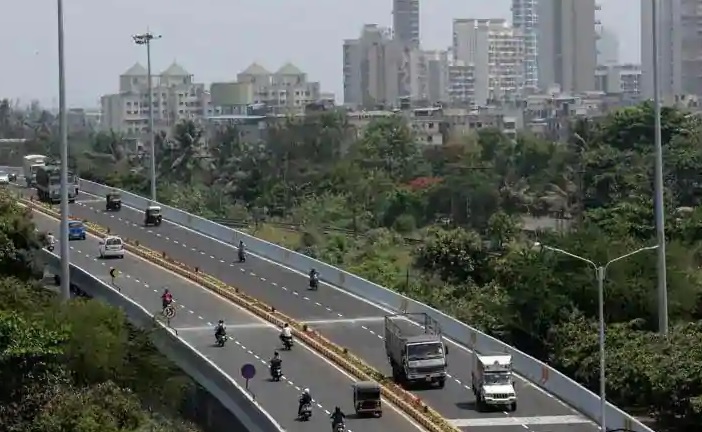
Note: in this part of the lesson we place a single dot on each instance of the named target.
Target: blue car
(76, 230)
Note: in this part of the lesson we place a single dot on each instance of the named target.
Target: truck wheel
(442, 383)
(513, 407)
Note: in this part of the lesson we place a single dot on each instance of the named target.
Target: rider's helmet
(221, 322)
(275, 354)
(165, 291)
(306, 391)
(285, 325)
(241, 242)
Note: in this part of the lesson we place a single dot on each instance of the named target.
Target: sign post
(248, 371)
(169, 312)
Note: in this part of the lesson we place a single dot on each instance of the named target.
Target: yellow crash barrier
(406, 401)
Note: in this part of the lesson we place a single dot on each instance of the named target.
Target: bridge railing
(533, 370)
(251, 416)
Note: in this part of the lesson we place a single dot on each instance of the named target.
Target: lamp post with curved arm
(600, 274)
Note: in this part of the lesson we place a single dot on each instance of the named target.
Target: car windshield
(75, 224)
(500, 378)
(114, 242)
(425, 351)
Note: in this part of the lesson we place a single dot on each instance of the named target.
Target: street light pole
(659, 198)
(600, 274)
(63, 127)
(145, 39)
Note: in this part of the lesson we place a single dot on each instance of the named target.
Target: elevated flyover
(253, 341)
(346, 319)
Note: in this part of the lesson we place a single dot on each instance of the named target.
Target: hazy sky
(215, 39)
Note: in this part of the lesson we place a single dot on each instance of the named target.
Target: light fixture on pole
(145, 39)
(659, 198)
(600, 274)
(63, 127)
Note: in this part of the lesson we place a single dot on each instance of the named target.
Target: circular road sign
(169, 312)
(248, 371)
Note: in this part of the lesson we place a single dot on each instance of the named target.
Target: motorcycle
(242, 256)
(287, 343)
(340, 427)
(50, 248)
(221, 339)
(276, 373)
(306, 412)
(314, 282)
(165, 303)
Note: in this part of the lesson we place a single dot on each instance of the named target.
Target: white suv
(111, 247)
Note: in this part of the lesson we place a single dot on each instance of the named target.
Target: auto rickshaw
(366, 398)
(152, 216)
(113, 201)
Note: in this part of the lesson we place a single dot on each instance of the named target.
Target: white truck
(492, 381)
(30, 165)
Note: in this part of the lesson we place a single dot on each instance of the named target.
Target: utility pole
(659, 198)
(63, 127)
(145, 39)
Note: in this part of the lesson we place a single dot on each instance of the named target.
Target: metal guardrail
(236, 399)
(295, 227)
(533, 370)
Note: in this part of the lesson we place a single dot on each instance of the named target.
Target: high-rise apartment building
(285, 91)
(437, 76)
(405, 21)
(623, 79)
(461, 83)
(176, 96)
(607, 47)
(679, 48)
(525, 18)
(566, 44)
(496, 51)
(379, 69)
(371, 68)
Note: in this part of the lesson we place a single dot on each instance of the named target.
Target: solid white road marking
(344, 321)
(520, 421)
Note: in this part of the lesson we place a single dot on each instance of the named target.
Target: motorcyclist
(337, 417)
(305, 399)
(166, 298)
(276, 362)
(220, 330)
(286, 333)
(50, 239)
(242, 248)
(314, 278)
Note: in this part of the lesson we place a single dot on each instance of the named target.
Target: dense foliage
(450, 226)
(74, 366)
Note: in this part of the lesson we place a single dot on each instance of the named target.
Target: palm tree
(190, 158)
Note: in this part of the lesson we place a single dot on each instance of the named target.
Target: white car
(112, 247)
(4, 178)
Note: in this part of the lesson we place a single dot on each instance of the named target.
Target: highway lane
(252, 341)
(287, 291)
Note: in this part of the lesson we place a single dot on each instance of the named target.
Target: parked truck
(417, 354)
(492, 382)
(48, 184)
(30, 165)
